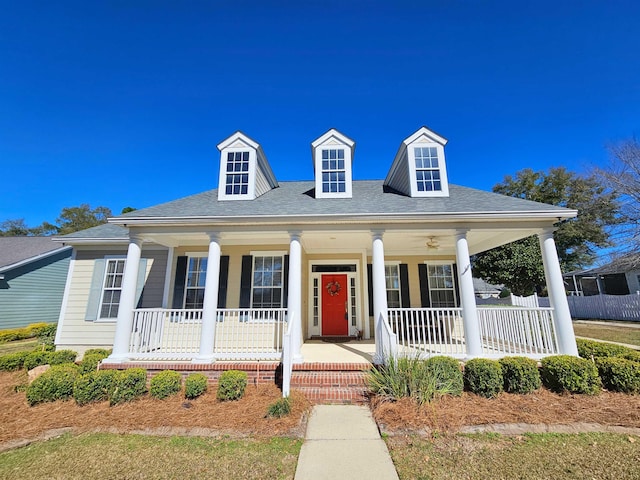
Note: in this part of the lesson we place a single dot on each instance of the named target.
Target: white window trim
(253, 264)
(189, 256)
(99, 318)
(348, 175)
(397, 265)
(411, 157)
(453, 279)
(222, 181)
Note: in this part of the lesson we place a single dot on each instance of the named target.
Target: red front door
(335, 318)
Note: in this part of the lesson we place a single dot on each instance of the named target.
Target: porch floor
(355, 351)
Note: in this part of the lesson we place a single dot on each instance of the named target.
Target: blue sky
(122, 103)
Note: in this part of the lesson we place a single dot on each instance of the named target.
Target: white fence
(606, 307)
(240, 334)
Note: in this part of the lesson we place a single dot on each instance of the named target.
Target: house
(620, 276)
(256, 268)
(484, 290)
(33, 271)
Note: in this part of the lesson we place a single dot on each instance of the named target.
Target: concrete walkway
(342, 441)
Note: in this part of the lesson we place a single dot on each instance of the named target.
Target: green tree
(518, 265)
(127, 210)
(14, 228)
(74, 219)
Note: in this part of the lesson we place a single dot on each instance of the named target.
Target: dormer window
(237, 173)
(333, 171)
(332, 160)
(419, 169)
(245, 173)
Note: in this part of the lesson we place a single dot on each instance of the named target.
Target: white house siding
(262, 185)
(79, 334)
(32, 293)
(399, 181)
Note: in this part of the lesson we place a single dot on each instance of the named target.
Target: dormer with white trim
(419, 168)
(245, 173)
(332, 155)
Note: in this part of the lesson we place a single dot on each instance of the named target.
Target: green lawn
(532, 456)
(611, 333)
(108, 456)
(18, 346)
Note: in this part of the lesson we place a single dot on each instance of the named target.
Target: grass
(18, 346)
(531, 456)
(611, 333)
(102, 455)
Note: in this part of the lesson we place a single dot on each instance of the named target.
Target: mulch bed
(245, 417)
(541, 407)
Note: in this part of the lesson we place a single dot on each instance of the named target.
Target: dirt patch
(245, 417)
(541, 407)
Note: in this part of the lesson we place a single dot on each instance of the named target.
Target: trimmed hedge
(520, 375)
(39, 357)
(565, 373)
(448, 374)
(99, 351)
(90, 362)
(165, 384)
(619, 374)
(590, 348)
(54, 384)
(231, 385)
(128, 385)
(47, 335)
(483, 377)
(195, 385)
(30, 331)
(95, 386)
(12, 361)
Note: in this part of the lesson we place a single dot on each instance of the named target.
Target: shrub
(590, 348)
(36, 358)
(165, 384)
(61, 356)
(632, 355)
(30, 331)
(619, 374)
(54, 384)
(565, 373)
(231, 385)
(280, 408)
(95, 386)
(483, 377)
(47, 334)
(90, 363)
(520, 374)
(12, 361)
(128, 385)
(98, 351)
(195, 385)
(448, 374)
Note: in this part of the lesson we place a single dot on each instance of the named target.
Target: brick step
(346, 395)
(328, 379)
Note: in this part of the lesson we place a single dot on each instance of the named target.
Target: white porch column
(557, 295)
(379, 291)
(467, 297)
(127, 302)
(294, 299)
(210, 301)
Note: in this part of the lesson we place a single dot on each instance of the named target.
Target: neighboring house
(253, 269)
(621, 276)
(33, 271)
(483, 289)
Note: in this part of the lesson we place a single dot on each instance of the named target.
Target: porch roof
(370, 198)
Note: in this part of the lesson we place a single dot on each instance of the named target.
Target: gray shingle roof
(18, 249)
(369, 198)
(105, 232)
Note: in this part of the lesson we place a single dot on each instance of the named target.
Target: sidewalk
(342, 441)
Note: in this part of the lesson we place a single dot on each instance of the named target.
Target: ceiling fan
(432, 243)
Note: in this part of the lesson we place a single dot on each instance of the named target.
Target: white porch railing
(174, 334)
(428, 331)
(387, 341)
(517, 331)
(287, 359)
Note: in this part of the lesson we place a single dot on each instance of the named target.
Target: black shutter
(223, 278)
(456, 285)
(404, 286)
(370, 287)
(178, 284)
(425, 301)
(245, 281)
(285, 282)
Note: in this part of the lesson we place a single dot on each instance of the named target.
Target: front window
(427, 169)
(441, 286)
(333, 171)
(112, 288)
(237, 182)
(267, 282)
(392, 281)
(194, 287)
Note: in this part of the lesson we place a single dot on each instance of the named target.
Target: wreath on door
(333, 288)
